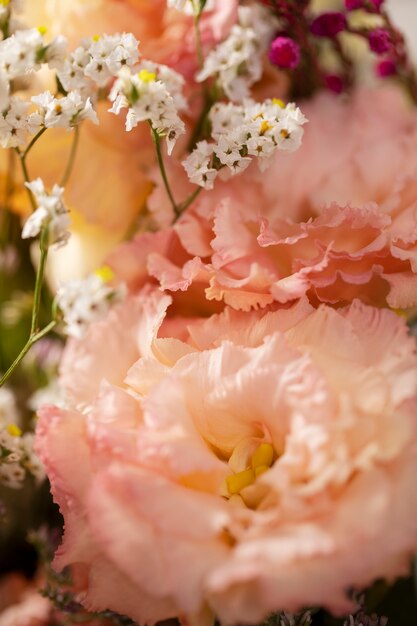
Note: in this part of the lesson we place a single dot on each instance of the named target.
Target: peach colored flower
(267, 461)
(336, 220)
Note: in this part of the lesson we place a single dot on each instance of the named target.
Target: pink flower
(267, 461)
(262, 239)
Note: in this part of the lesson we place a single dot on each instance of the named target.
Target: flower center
(260, 461)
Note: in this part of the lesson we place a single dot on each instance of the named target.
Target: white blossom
(56, 52)
(198, 165)
(109, 54)
(64, 112)
(237, 62)
(72, 75)
(147, 99)
(51, 213)
(85, 301)
(15, 124)
(241, 133)
(25, 50)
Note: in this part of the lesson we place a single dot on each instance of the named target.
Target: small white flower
(19, 53)
(64, 112)
(14, 125)
(147, 99)
(71, 75)
(56, 52)
(198, 165)
(109, 54)
(85, 301)
(241, 133)
(237, 62)
(12, 475)
(51, 212)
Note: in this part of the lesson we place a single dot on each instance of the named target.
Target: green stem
(198, 44)
(43, 244)
(32, 143)
(184, 205)
(71, 160)
(27, 179)
(30, 342)
(160, 158)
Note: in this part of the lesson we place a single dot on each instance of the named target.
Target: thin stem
(27, 179)
(43, 244)
(198, 44)
(160, 158)
(30, 342)
(71, 160)
(32, 143)
(184, 205)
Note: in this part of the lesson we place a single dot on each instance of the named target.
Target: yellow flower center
(4, 3)
(105, 273)
(13, 430)
(261, 460)
(42, 30)
(146, 76)
(278, 102)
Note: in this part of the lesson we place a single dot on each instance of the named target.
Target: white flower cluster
(64, 112)
(16, 450)
(242, 132)
(16, 123)
(147, 97)
(237, 62)
(51, 213)
(85, 301)
(97, 60)
(189, 7)
(25, 51)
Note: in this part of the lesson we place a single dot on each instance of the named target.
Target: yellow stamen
(261, 469)
(285, 134)
(96, 38)
(264, 127)
(5, 3)
(239, 481)
(278, 102)
(13, 430)
(263, 456)
(146, 76)
(42, 30)
(105, 273)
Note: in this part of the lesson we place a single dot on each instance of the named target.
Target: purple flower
(379, 40)
(328, 24)
(285, 53)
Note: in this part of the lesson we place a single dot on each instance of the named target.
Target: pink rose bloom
(344, 227)
(266, 461)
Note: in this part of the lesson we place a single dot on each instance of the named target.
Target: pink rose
(265, 461)
(336, 220)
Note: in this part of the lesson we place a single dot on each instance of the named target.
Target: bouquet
(208, 264)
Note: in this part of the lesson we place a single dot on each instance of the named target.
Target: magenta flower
(285, 53)
(379, 40)
(328, 24)
(386, 68)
